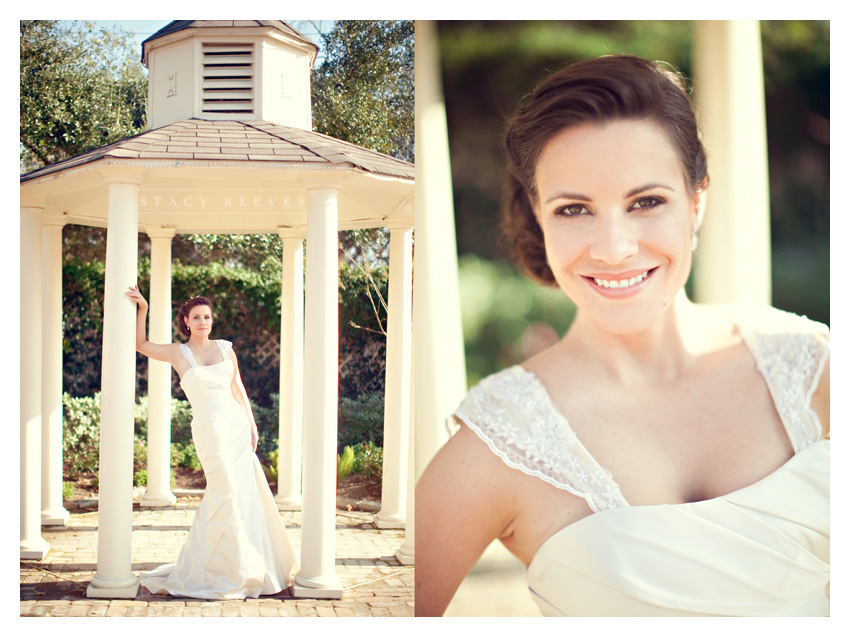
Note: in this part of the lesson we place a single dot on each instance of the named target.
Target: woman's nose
(614, 239)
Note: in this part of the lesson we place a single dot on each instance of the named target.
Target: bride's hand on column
(136, 295)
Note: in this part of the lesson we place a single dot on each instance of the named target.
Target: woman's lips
(620, 284)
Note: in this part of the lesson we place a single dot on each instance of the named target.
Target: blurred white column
(32, 545)
(732, 262)
(439, 363)
(318, 577)
(406, 552)
(52, 510)
(290, 426)
(113, 578)
(160, 331)
(397, 384)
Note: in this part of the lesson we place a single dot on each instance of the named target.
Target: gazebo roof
(227, 176)
(231, 141)
(181, 25)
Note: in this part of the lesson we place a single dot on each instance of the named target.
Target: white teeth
(625, 283)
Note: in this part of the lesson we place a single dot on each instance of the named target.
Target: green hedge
(360, 426)
(247, 312)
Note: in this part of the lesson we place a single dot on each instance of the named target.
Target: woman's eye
(572, 210)
(646, 202)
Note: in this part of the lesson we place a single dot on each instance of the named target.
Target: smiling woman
(643, 464)
(627, 234)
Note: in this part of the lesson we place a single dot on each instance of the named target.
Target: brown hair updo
(195, 301)
(596, 90)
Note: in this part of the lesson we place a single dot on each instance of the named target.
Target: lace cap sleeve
(512, 413)
(224, 347)
(791, 352)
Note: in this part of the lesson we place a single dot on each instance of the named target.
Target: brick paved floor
(375, 584)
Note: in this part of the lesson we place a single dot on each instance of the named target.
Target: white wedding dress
(760, 551)
(238, 546)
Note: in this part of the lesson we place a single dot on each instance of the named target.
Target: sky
(143, 29)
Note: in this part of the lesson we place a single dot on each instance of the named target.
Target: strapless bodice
(760, 551)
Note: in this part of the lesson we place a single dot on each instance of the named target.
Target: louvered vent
(228, 84)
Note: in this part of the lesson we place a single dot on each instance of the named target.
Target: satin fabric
(759, 551)
(237, 546)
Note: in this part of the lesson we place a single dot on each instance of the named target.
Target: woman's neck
(199, 342)
(658, 353)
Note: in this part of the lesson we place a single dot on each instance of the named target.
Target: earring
(694, 238)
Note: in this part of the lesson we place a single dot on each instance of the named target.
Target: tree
(363, 91)
(80, 89)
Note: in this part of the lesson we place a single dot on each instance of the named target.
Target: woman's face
(616, 219)
(200, 320)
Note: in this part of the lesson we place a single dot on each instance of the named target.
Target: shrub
(184, 455)
(140, 478)
(140, 454)
(67, 490)
(181, 420)
(368, 460)
(344, 464)
(270, 466)
(361, 420)
(80, 434)
(267, 419)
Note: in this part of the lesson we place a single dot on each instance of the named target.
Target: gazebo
(229, 149)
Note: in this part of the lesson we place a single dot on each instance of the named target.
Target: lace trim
(188, 354)
(512, 413)
(224, 347)
(791, 355)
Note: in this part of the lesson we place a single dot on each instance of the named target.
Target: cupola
(242, 70)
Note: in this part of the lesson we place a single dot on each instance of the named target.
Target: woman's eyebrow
(634, 191)
(568, 195)
(640, 189)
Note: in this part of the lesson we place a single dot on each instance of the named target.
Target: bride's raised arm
(163, 353)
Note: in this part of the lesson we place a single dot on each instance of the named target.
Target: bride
(665, 457)
(238, 546)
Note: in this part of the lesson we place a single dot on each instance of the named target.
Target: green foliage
(363, 89)
(361, 420)
(247, 312)
(344, 464)
(497, 333)
(270, 465)
(184, 454)
(140, 453)
(80, 89)
(181, 420)
(67, 490)
(268, 425)
(140, 478)
(368, 460)
(80, 434)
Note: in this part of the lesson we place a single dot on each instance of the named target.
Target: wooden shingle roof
(233, 141)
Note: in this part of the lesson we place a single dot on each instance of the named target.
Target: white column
(33, 546)
(406, 552)
(318, 577)
(438, 334)
(397, 385)
(732, 262)
(115, 511)
(52, 510)
(288, 496)
(158, 492)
